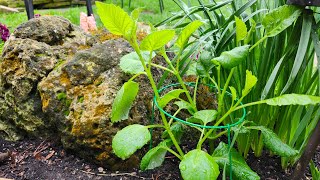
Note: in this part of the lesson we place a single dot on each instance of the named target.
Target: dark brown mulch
(45, 159)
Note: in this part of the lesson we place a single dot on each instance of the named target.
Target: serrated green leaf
(239, 166)
(293, 99)
(206, 116)
(123, 101)
(280, 18)
(187, 32)
(204, 64)
(116, 20)
(165, 99)
(198, 165)
(155, 156)
(274, 143)
(241, 29)
(157, 40)
(131, 63)
(251, 81)
(233, 93)
(185, 105)
(176, 129)
(128, 140)
(232, 58)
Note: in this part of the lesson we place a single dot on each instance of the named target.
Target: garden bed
(46, 159)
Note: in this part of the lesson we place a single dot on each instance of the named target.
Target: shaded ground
(45, 159)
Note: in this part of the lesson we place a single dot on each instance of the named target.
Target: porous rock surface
(49, 86)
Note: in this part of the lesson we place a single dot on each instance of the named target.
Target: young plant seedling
(197, 163)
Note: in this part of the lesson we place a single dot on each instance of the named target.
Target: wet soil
(46, 159)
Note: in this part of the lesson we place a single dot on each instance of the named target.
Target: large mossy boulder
(26, 59)
(59, 81)
(79, 95)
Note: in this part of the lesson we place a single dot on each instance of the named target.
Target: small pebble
(100, 169)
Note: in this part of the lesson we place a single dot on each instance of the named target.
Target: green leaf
(184, 105)
(155, 156)
(136, 13)
(239, 166)
(165, 99)
(128, 140)
(241, 29)
(191, 68)
(274, 143)
(194, 120)
(206, 116)
(116, 20)
(280, 18)
(131, 62)
(293, 99)
(251, 80)
(233, 93)
(187, 32)
(204, 64)
(176, 129)
(314, 171)
(157, 39)
(198, 165)
(232, 58)
(123, 101)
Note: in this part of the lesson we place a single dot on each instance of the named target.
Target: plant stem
(161, 67)
(250, 104)
(199, 142)
(174, 115)
(155, 90)
(173, 152)
(195, 92)
(180, 80)
(220, 134)
(221, 96)
(256, 44)
(136, 75)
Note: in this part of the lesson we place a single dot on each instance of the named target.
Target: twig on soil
(49, 155)
(133, 174)
(40, 148)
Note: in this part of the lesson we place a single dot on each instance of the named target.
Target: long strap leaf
(302, 49)
(316, 44)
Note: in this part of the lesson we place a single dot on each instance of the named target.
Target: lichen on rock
(51, 85)
(80, 94)
(32, 51)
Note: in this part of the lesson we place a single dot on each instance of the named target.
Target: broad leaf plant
(197, 163)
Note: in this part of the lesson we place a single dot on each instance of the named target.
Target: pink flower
(4, 32)
(87, 23)
(91, 23)
(83, 22)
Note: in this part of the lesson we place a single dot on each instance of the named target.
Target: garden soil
(46, 159)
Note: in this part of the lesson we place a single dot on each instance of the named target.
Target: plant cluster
(4, 32)
(285, 60)
(197, 163)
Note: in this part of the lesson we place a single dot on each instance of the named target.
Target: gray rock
(48, 86)
(79, 96)
(25, 61)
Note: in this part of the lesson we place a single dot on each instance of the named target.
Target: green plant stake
(210, 117)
